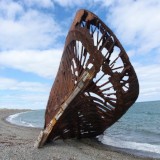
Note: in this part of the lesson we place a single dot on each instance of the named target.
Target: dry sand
(16, 143)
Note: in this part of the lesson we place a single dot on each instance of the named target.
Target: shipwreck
(95, 84)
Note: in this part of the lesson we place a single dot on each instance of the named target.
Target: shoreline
(8, 119)
(16, 142)
(18, 111)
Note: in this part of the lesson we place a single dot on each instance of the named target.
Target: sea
(137, 132)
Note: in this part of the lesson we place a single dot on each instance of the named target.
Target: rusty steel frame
(95, 84)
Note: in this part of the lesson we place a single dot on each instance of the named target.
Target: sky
(32, 37)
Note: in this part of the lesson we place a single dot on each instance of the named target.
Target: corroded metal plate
(110, 87)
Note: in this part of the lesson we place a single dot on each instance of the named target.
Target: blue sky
(32, 36)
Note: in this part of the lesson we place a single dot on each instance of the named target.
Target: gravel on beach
(16, 143)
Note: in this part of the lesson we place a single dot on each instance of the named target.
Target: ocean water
(33, 118)
(137, 132)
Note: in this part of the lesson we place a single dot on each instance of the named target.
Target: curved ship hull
(95, 84)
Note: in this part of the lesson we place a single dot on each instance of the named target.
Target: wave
(13, 116)
(146, 147)
(13, 119)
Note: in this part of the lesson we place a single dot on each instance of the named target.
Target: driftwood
(95, 84)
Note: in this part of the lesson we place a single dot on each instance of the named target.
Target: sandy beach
(16, 143)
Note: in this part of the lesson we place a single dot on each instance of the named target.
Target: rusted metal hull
(95, 84)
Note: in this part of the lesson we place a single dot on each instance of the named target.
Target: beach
(17, 142)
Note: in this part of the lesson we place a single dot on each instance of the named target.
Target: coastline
(16, 142)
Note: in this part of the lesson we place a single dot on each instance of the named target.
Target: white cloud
(43, 63)
(149, 80)
(23, 94)
(26, 29)
(39, 3)
(24, 101)
(69, 3)
(15, 85)
(9, 9)
(83, 3)
(107, 3)
(136, 23)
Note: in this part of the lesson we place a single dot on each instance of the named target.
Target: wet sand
(16, 143)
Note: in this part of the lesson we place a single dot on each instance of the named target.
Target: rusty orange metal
(95, 84)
